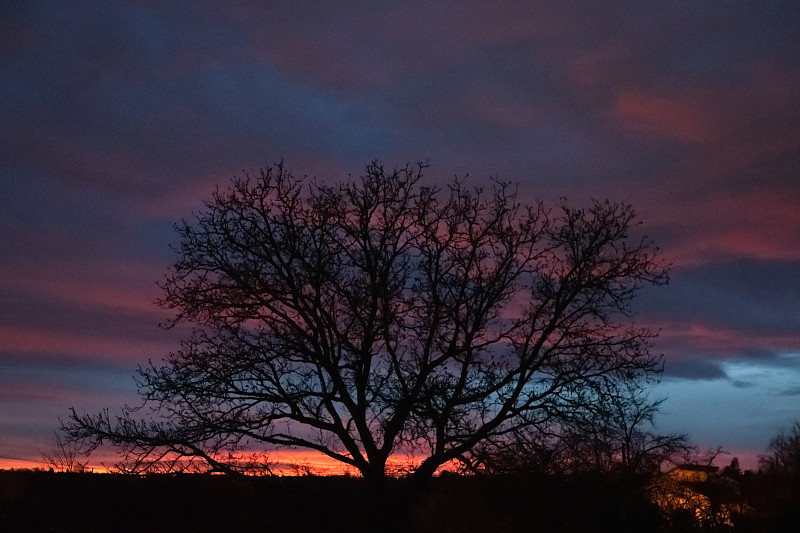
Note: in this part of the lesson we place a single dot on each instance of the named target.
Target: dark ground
(34, 501)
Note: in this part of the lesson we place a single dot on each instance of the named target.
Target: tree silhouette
(613, 430)
(383, 316)
(784, 453)
(63, 456)
(777, 495)
(617, 431)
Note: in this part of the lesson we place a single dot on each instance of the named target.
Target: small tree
(64, 456)
(530, 450)
(382, 316)
(617, 431)
(784, 453)
(612, 431)
(777, 493)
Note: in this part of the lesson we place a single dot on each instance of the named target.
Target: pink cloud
(740, 127)
(590, 68)
(760, 223)
(34, 341)
(677, 117)
(724, 341)
(95, 293)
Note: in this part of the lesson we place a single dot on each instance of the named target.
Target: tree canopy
(382, 315)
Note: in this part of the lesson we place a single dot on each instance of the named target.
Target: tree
(382, 316)
(784, 453)
(611, 431)
(528, 450)
(616, 431)
(777, 493)
(64, 456)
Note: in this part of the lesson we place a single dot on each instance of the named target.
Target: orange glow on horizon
(302, 462)
(282, 463)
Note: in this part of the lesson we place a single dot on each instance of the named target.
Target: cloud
(79, 345)
(676, 118)
(753, 297)
(737, 310)
(698, 352)
(693, 369)
(119, 119)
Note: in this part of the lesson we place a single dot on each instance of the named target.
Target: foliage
(381, 315)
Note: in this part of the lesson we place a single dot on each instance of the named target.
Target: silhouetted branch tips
(382, 315)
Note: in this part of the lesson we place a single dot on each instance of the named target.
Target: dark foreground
(58, 502)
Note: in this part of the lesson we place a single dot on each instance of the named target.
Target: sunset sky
(117, 119)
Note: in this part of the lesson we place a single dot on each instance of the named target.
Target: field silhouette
(43, 501)
(588, 502)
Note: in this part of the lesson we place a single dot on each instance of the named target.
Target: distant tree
(776, 496)
(613, 431)
(530, 450)
(617, 431)
(733, 470)
(784, 453)
(382, 316)
(64, 456)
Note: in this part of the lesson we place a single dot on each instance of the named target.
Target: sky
(117, 119)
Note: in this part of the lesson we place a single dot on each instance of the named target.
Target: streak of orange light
(284, 463)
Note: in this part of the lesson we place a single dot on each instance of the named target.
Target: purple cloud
(118, 119)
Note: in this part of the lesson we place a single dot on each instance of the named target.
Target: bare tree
(528, 450)
(381, 315)
(64, 456)
(613, 429)
(617, 431)
(784, 453)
